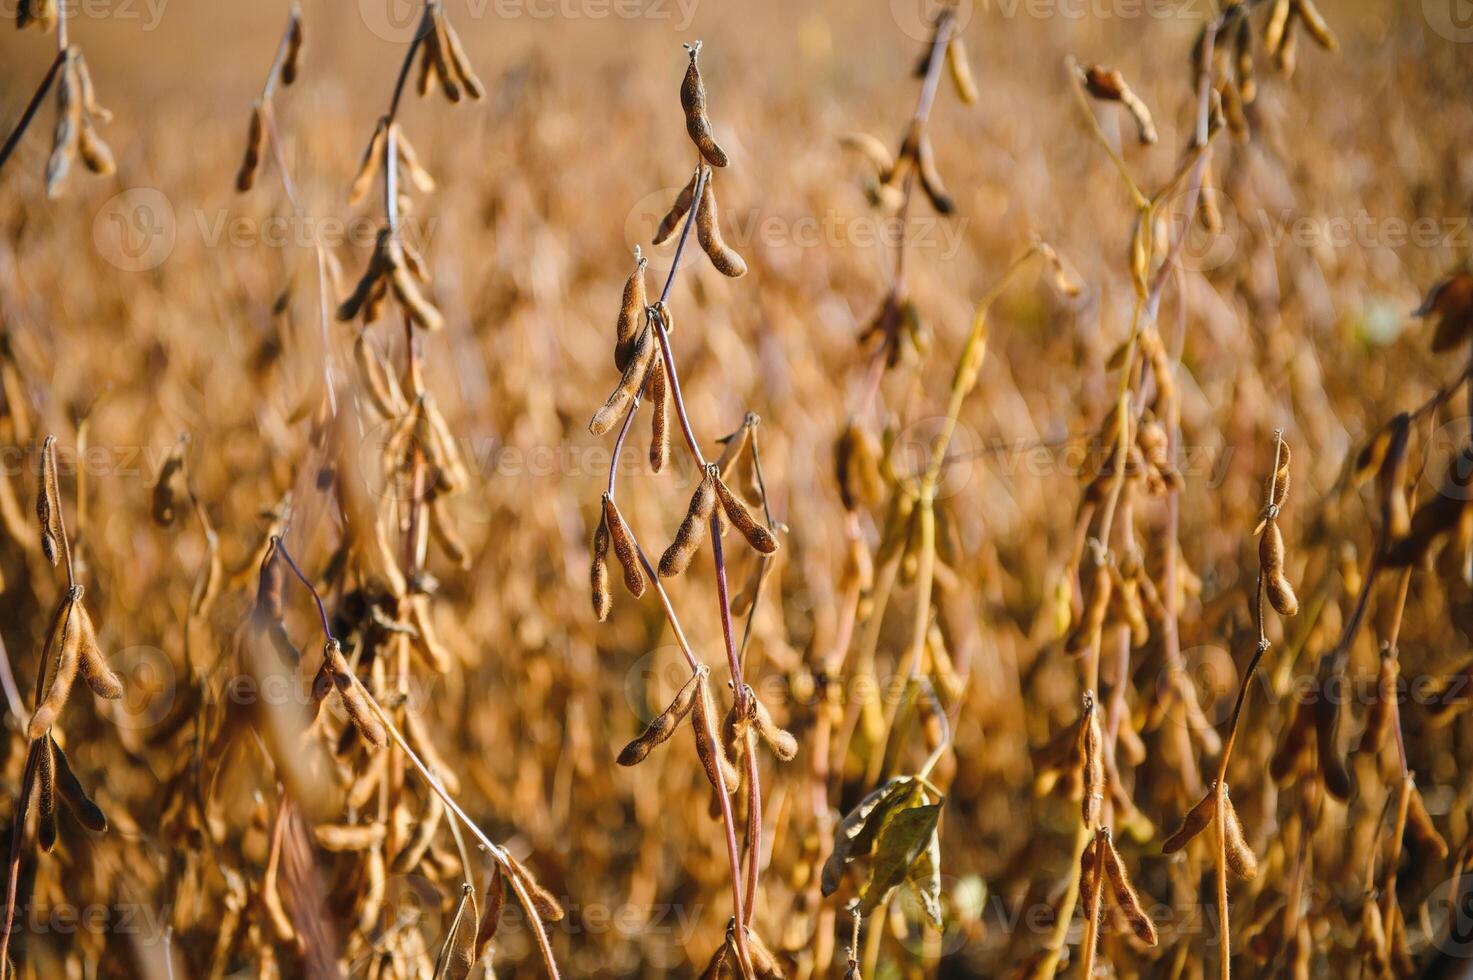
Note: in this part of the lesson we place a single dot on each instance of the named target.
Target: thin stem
(282, 47)
(1136, 197)
(280, 545)
(1223, 930)
(431, 780)
(13, 140)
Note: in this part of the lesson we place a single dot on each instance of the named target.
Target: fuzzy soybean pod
(759, 537)
(624, 548)
(677, 557)
(664, 724)
(631, 308)
(1271, 560)
(245, 178)
(693, 101)
(682, 204)
(708, 233)
(629, 383)
(1124, 893)
(599, 574)
(66, 639)
(1092, 761)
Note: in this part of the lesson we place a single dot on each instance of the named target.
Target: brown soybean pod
(759, 537)
(368, 167)
(718, 771)
(693, 101)
(961, 70)
(676, 558)
(104, 682)
(295, 41)
(629, 382)
(781, 741)
(88, 813)
(491, 916)
(624, 548)
(1091, 750)
(631, 309)
(931, 178)
(1420, 828)
(255, 146)
(660, 419)
(1126, 898)
(602, 599)
(46, 791)
(671, 221)
(67, 662)
(1198, 818)
(1240, 856)
(1327, 735)
(664, 724)
(543, 903)
(708, 233)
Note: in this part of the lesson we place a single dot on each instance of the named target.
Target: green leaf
(904, 838)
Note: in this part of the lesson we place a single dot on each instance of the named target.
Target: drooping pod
(336, 674)
(368, 166)
(960, 69)
(245, 178)
(93, 151)
(544, 904)
(104, 682)
(624, 547)
(454, 53)
(931, 178)
(664, 724)
(88, 813)
(409, 162)
(294, 43)
(1092, 763)
(697, 122)
(877, 153)
(660, 419)
(66, 640)
(1420, 829)
(759, 537)
(1240, 857)
(708, 233)
(779, 740)
(603, 600)
(677, 557)
(1108, 85)
(1124, 893)
(1271, 560)
(682, 204)
(1198, 818)
(703, 719)
(629, 384)
(491, 914)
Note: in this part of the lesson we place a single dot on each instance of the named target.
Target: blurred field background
(179, 307)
